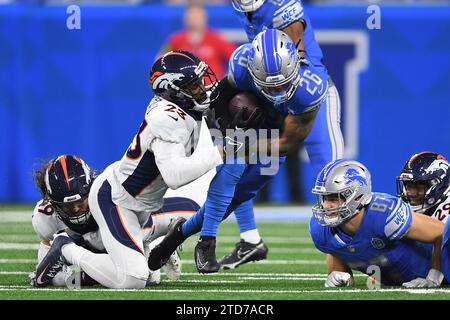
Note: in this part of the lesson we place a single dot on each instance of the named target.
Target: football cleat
(172, 268)
(162, 252)
(244, 252)
(52, 263)
(205, 256)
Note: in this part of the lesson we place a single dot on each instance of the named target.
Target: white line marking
(151, 289)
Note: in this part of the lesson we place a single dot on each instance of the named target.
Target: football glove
(433, 280)
(338, 279)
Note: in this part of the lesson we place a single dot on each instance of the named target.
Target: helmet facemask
(202, 90)
(76, 212)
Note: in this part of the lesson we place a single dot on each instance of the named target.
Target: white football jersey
(46, 223)
(167, 133)
(442, 211)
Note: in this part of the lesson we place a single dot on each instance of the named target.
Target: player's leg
(250, 247)
(125, 265)
(325, 142)
(207, 218)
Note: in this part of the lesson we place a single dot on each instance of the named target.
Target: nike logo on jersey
(174, 118)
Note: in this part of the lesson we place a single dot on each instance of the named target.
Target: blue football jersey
(309, 95)
(379, 242)
(278, 14)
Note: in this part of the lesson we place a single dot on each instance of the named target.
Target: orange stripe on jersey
(64, 167)
(172, 212)
(126, 230)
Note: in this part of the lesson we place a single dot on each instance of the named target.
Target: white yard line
(149, 290)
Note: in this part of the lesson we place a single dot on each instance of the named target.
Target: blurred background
(81, 87)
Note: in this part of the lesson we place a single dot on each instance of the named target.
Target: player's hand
(433, 280)
(338, 279)
(254, 121)
(211, 120)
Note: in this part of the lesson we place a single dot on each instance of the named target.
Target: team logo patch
(377, 243)
(354, 175)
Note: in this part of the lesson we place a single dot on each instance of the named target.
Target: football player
(424, 184)
(358, 228)
(123, 196)
(56, 212)
(325, 141)
(293, 89)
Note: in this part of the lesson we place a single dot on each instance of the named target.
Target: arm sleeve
(398, 222)
(176, 169)
(287, 14)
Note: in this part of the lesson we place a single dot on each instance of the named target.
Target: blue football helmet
(182, 78)
(350, 183)
(427, 171)
(274, 65)
(67, 182)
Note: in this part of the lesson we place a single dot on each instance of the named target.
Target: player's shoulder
(167, 120)
(440, 212)
(43, 207)
(45, 221)
(390, 215)
(237, 66)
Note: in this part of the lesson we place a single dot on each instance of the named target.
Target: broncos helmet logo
(354, 175)
(438, 164)
(160, 81)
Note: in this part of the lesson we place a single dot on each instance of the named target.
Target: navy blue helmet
(429, 173)
(182, 78)
(68, 180)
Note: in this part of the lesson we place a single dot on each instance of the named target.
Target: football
(245, 100)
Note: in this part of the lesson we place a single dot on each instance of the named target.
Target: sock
(251, 236)
(245, 216)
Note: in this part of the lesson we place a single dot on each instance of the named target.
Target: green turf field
(294, 270)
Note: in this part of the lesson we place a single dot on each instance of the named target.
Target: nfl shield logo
(377, 243)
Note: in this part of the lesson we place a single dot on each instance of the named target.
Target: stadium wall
(85, 91)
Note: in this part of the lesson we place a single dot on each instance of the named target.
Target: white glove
(337, 279)
(433, 280)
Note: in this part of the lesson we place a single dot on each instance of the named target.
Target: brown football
(246, 100)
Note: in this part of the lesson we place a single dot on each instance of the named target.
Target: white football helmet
(247, 5)
(350, 181)
(274, 65)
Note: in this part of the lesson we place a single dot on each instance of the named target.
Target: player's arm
(426, 229)
(176, 168)
(295, 130)
(339, 274)
(295, 31)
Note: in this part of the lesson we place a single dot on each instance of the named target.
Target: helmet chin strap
(204, 105)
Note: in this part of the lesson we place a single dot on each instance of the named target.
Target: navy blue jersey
(310, 93)
(379, 241)
(278, 14)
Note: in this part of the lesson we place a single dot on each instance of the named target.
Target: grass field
(294, 270)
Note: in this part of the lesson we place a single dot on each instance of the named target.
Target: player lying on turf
(123, 196)
(65, 183)
(358, 228)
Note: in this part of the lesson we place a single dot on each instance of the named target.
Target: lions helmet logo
(354, 175)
